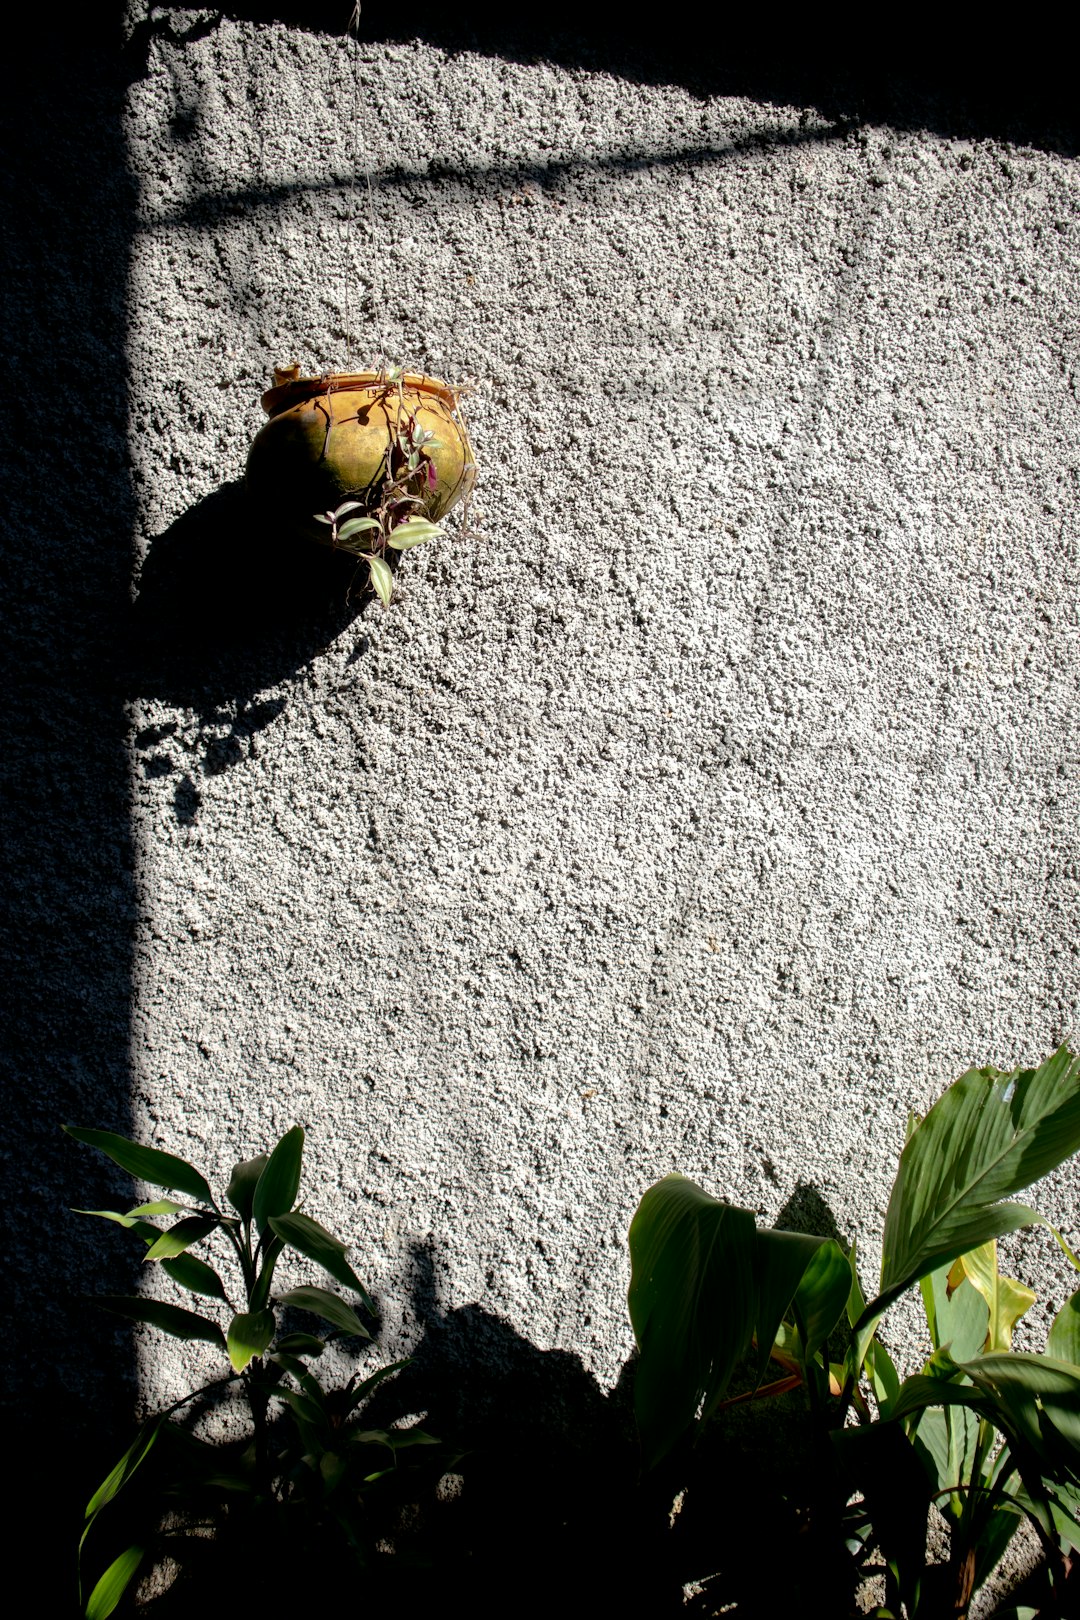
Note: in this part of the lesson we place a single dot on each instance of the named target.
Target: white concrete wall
(715, 799)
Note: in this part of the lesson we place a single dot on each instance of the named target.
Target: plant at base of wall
(988, 1434)
(307, 1475)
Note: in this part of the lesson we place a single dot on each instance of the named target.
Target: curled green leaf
(332, 1309)
(310, 1239)
(173, 1319)
(277, 1186)
(194, 1275)
(250, 1333)
(148, 1164)
(181, 1236)
(114, 1583)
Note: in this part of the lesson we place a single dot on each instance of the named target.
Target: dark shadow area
(956, 77)
(226, 607)
(69, 903)
(807, 1211)
(544, 1506)
(445, 179)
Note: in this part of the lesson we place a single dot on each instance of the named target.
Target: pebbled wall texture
(707, 802)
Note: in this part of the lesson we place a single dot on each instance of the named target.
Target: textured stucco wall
(710, 803)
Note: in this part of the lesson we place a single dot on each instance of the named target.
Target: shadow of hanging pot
(330, 439)
(228, 604)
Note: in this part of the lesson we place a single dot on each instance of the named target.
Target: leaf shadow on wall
(548, 1472)
(227, 609)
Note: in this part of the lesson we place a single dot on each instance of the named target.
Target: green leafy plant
(987, 1433)
(307, 1473)
(388, 516)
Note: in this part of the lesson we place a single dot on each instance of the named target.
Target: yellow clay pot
(328, 440)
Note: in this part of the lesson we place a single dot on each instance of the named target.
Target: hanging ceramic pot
(342, 437)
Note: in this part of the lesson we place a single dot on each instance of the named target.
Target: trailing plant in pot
(366, 462)
(989, 1434)
(307, 1480)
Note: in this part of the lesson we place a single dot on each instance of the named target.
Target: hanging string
(349, 220)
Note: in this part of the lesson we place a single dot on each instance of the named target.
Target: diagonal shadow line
(206, 210)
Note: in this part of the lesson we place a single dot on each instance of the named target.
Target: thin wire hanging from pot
(350, 44)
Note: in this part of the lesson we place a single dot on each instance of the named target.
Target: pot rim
(283, 395)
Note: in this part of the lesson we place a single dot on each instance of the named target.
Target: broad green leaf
(856, 1302)
(995, 1533)
(944, 1439)
(174, 1319)
(308, 1238)
(692, 1305)
(958, 1319)
(159, 1206)
(250, 1333)
(821, 1296)
(302, 1405)
(113, 1584)
(301, 1344)
(367, 1385)
(884, 1378)
(382, 580)
(780, 1260)
(346, 506)
(321, 1302)
(148, 1164)
(864, 1353)
(1033, 1398)
(242, 1184)
(118, 1476)
(1006, 1299)
(146, 1230)
(1063, 1340)
(277, 1187)
(181, 1236)
(413, 532)
(1030, 1388)
(260, 1294)
(333, 1468)
(194, 1275)
(991, 1135)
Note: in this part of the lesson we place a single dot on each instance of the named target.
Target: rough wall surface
(713, 799)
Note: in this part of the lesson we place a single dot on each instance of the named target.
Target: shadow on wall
(221, 614)
(69, 902)
(946, 76)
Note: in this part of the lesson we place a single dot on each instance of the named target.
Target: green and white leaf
(413, 532)
(382, 580)
(359, 525)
